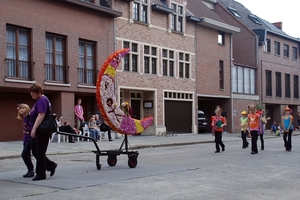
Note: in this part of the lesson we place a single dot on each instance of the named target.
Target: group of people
(34, 140)
(252, 125)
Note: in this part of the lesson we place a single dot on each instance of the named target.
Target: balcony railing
(57, 73)
(18, 69)
(87, 76)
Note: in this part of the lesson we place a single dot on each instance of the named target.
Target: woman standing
(253, 125)
(40, 140)
(287, 121)
(218, 122)
(244, 131)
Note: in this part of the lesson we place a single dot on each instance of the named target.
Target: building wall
(41, 17)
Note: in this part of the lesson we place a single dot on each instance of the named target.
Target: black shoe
(71, 141)
(244, 147)
(29, 174)
(253, 152)
(223, 148)
(217, 151)
(39, 177)
(288, 149)
(52, 171)
(262, 148)
(110, 140)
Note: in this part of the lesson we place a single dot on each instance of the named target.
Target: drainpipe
(196, 92)
(231, 93)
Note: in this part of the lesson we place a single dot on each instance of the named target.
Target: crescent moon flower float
(115, 116)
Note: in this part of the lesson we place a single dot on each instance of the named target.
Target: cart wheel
(132, 161)
(112, 160)
(98, 166)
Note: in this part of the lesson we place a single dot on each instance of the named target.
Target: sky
(286, 11)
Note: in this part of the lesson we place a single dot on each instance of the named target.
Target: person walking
(244, 131)
(287, 121)
(40, 140)
(23, 114)
(218, 122)
(253, 126)
(261, 129)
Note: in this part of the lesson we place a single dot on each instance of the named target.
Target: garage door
(178, 116)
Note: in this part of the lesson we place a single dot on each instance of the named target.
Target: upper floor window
(286, 50)
(177, 18)
(234, 12)
(243, 80)
(296, 86)
(140, 10)
(184, 65)
(150, 60)
(87, 67)
(276, 48)
(221, 74)
(168, 62)
(278, 84)
(221, 38)
(18, 53)
(295, 53)
(287, 85)
(131, 59)
(267, 47)
(268, 83)
(55, 57)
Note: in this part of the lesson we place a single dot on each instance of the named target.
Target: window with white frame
(131, 59)
(184, 65)
(140, 10)
(150, 60)
(286, 50)
(87, 68)
(221, 38)
(177, 17)
(295, 53)
(276, 48)
(267, 46)
(168, 61)
(243, 80)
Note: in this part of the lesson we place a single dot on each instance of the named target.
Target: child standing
(244, 131)
(253, 124)
(23, 114)
(287, 120)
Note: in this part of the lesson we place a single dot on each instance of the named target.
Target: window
(295, 53)
(87, 68)
(18, 53)
(131, 59)
(55, 58)
(276, 48)
(184, 65)
(235, 12)
(221, 74)
(168, 62)
(140, 10)
(221, 38)
(177, 18)
(243, 80)
(296, 87)
(287, 85)
(278, 84)
(267, 47)
(255, 19)
(286, 50)
(150, 60)
(268, 83)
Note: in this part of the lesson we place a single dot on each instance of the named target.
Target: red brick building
(58, 44)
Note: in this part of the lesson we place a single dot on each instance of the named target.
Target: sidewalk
(14, 149)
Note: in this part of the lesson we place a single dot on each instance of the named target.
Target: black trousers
(261, 136)
(218, 140)
(39, 149)
(68, 129)
(254, 137)
(105, 127)
(244, 138)
(26, 155)
(287, 139)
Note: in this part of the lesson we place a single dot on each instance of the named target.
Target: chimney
(278, 25)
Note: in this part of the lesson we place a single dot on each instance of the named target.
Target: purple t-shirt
(40, 106)
(26, 129)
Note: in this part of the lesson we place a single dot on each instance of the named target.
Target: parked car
(202, 121)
